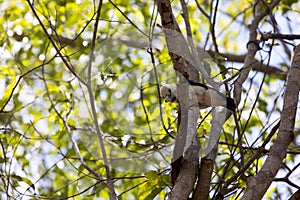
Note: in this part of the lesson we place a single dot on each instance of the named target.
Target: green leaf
(153, 193)
(24, 179)
(287, 5)
(151, 175)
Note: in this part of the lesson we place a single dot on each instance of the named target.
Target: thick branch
(252, 49)
(185, 63)
(188, 173)
(248, 64)
(296, 195)
(186, 139)
(169, 23)
(257, 65)
(207, 163)
(202, 190)
(267, 36)
(258, 185)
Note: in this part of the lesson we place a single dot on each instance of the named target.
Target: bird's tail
(230, 104)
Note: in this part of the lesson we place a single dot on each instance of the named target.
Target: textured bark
(252, 49)
(249, 62)
(187, 176)
(207, 163)
(295, 196)
(185, 63)
(186, 141)
(173, 37)
(258, 185)
(202, 189)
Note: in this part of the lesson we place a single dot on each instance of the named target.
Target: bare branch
(186, 135)
(213, 25)
(258, 185)
(202, 10)
(193, 72)
(295, 196)
(75, 146)
(62, 57)
(252, 49)
(257, 65)
(248, 62)
(110, 185)
(267, 36)
(128, 19)
(20, 79)
(202, 190)
(259, 152)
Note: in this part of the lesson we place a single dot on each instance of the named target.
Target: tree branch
(193, 72)
(257, 65)
(267, 36)
(258, 185)
(186, 137)
(258, 153)
(110, 185)
(58, 51)
(215, 133)
(295, 196)
(252, 49)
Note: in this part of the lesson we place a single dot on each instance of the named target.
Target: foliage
(46, 108)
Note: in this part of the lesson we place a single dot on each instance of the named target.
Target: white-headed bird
(205, 96)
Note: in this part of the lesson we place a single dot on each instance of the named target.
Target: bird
(204, 95)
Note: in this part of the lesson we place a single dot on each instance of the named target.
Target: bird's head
(169, 93)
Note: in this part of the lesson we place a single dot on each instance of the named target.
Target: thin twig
(110, 185)
(212, 27)
(129, 20)
(202, 10)
(20, 78)
(150, 51)
(77, 151)
(58, 51)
